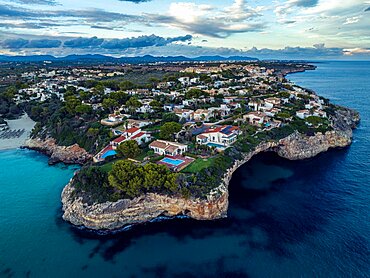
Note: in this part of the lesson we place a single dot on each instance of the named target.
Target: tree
(170, 117)
(129, 149)
(71, 103)
(126, 85)
(126, 177)
(169, 129)
(119, 96)
(10, 93)
(155, 104)
(133, 103)
(84, 95)
(98, 90)
(314, 120)
(195, 93)
(109, 104)
(83, 109)
(155, 176)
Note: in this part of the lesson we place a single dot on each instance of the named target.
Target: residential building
(303, 114)
(162, 147)
(186, 114)
(219, 135)
(255, 117)
(202, 115)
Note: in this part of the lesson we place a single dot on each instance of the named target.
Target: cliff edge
(70, 155)
(116, 215)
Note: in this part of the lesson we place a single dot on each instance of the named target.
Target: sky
(280, 29)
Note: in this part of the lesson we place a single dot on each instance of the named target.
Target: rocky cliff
(70, 155)
(111, 216)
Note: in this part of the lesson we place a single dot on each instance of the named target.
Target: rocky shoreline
(112, 216)
(69, 155)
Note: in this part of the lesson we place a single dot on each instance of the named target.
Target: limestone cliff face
(112, 216)
(70, 155)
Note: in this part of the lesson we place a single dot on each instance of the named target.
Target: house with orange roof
(163, 147)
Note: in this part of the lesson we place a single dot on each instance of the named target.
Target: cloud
(357, 51)
(165, 47)
(207, 20)
(135, 1)
(84, 42)
(351, 20)
(37, 2)
(86, 15)
(22, 43)
(318, 51)
(95, 43)
(27, 25)
(290, 6)
(367, 9)
(142, 41)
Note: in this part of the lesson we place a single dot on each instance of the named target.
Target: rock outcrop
(112, 216)
(70, 155)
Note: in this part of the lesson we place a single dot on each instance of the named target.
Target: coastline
(24, 122)
(73, 154)
(113, 216)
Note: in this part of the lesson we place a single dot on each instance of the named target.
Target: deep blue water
(287, 219)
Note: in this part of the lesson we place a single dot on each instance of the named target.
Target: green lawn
(152, 128)
(198, 165)
(108, 166)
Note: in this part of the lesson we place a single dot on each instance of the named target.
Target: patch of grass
(108, 166)
(152, 128)
(143, 154)
(198, 165)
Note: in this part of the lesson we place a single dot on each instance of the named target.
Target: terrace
(176, 163)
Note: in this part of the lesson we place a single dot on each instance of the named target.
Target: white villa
(272, 102)
(186, 114)
(202, 115)
(133, 133)
(303, 114)
(255, 118)
(220, 135)
(163, 147)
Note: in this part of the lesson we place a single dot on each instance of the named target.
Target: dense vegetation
(125, 180)
(133, 180)
(69, 123)
(8, 108)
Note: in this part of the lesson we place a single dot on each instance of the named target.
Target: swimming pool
(171, 161)
(109, 153)
(215, 145)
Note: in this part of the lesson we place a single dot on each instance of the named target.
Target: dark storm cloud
(22, 43)
(305, 3)
(84, 42)
(142, 41)
(95, 43)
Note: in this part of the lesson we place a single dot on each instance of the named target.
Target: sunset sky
(286, 29)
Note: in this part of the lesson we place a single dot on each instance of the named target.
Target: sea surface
(306, 218)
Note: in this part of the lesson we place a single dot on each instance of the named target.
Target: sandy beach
(24, 122)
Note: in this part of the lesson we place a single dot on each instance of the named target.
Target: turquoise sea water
(286, 219)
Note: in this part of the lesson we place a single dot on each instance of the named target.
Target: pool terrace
(176, 163)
